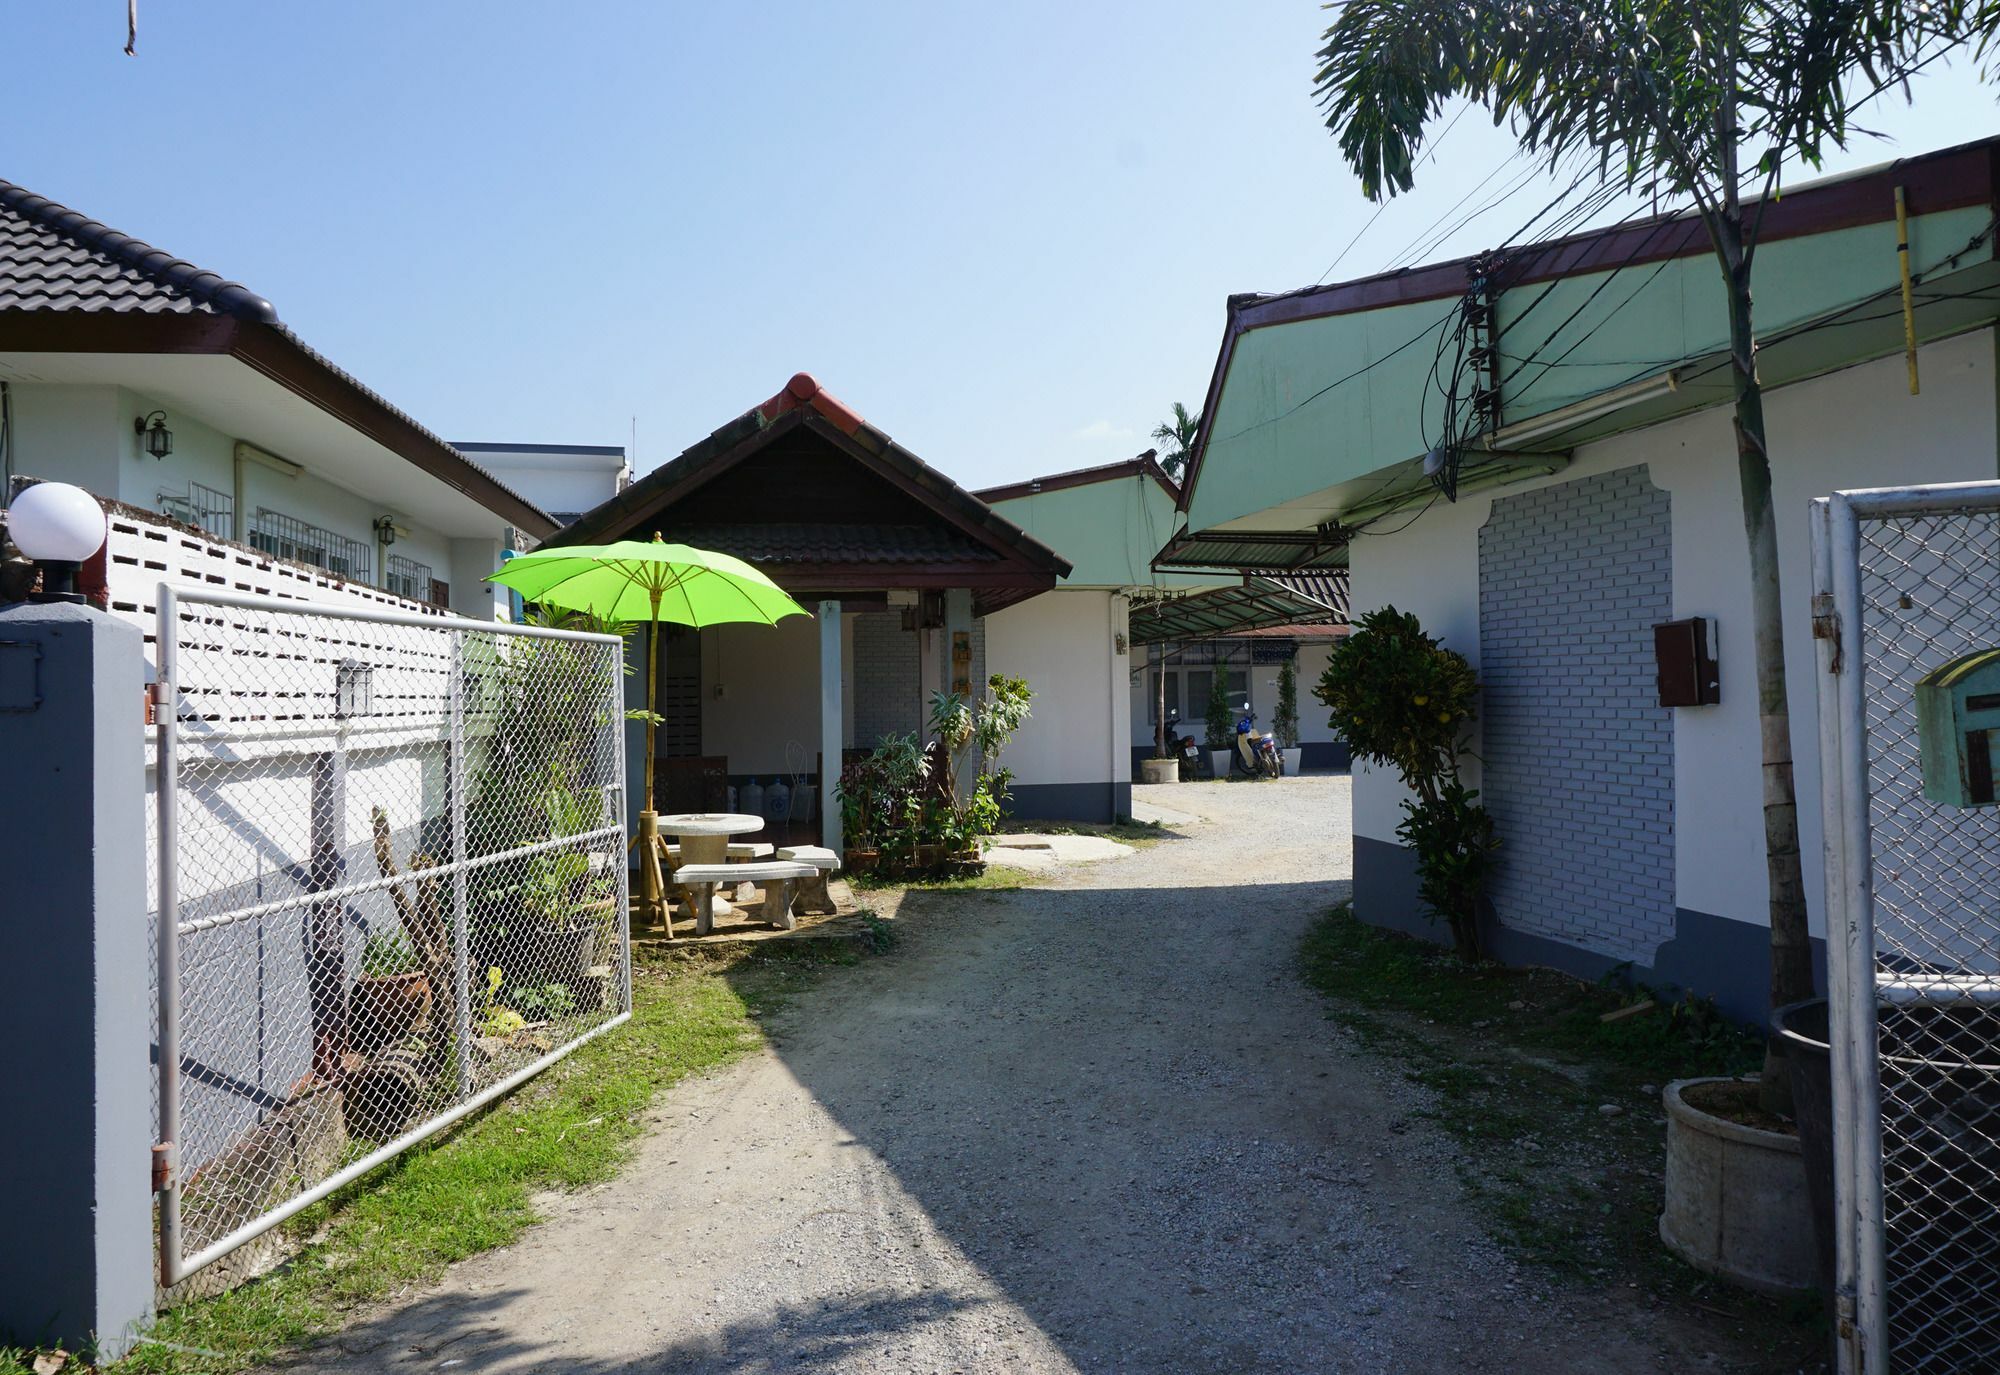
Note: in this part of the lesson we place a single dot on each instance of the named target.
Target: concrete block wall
(1579, 755)
(885, 678)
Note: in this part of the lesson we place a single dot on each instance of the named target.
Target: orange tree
(1403, 701)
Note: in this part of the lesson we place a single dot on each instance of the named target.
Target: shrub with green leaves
(1285, 721)
(1221, 719)
(1404, 701)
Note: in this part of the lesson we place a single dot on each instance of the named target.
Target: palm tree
(1709, 99)
(1176, 437)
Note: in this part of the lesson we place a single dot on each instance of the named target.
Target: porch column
(830, 713)
(958, 622)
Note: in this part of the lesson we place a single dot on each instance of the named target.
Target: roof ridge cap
(198, 284)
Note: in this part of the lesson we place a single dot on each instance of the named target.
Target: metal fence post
(461, 933)
(166, 789)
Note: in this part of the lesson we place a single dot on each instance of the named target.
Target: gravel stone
(1096, 1125)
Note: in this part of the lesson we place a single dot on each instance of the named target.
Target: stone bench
(813, 894)
(777, 877)
(739, 850)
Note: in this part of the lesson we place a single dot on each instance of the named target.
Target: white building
(1601, 500)
(167, 390)
(563, 479)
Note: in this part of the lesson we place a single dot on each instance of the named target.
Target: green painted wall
(1294, 422)
(1109, 530)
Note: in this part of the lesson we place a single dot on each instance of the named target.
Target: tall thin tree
(1711, 99)
(1176, 440)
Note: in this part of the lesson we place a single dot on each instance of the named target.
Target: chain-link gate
(390, 867)
(1907, 614)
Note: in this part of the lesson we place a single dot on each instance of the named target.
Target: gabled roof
(963, 537)
(71, 284)
(1140, 465)
(1962, 178)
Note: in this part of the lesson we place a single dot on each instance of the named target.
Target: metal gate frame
(1855, 987)
(168, 1182)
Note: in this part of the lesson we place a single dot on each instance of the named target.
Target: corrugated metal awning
(1258, 550)
(1259, 602)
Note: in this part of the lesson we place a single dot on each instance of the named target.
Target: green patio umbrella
(651, 581)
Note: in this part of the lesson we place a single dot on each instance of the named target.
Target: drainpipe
(246, 453)
(6, 444)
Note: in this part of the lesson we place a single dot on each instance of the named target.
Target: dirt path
(1097, 1125)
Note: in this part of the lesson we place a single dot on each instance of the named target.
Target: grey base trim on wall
(1713, 957)
(1102, 802)
(1324, 754)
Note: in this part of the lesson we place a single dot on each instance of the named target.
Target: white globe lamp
(58, 526)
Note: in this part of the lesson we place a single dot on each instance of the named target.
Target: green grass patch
(1520, 1067)
(471, 1189)
(994, 878)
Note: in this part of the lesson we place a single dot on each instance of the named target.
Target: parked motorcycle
(1185, 745)
(1256, 753)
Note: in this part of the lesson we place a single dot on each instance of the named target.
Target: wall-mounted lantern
(353, 689)
(385, 530)
(154, 434)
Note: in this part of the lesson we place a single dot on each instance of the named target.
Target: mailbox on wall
(1958, 727)
(1684, 663)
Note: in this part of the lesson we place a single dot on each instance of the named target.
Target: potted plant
(1285, 722)
(1221, 722)
(391, 1000)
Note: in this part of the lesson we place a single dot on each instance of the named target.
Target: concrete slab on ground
(1034, 852)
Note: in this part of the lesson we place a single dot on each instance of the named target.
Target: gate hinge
(156, 697)
(163, 1165)
(1826, 626)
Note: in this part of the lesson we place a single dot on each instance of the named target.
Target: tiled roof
(54, 258)
(823, 544)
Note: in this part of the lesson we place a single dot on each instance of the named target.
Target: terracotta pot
(862, 861)
(387, 1008)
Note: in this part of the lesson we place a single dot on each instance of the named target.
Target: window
(1187, 692)
(408, 578)
(287, 537)
(202, 507)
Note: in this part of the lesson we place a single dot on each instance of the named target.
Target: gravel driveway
(1096, 1125)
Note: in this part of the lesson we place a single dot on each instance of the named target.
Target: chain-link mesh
(399, 862)
(1930, 595)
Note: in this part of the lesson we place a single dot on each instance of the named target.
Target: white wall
(760, 691)
(84, 435)
(556, 481)
(1855, 428)
(1080, 723)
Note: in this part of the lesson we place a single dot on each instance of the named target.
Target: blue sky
(1004, 233)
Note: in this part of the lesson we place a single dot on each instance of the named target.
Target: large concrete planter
(1218, 762)
(1159, 770)
(1294, 760)
(1736, 1205)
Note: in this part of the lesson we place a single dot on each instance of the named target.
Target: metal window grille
(391, 880)
(202, 507)
(1906, 581)
(288, 537)
(408, 578)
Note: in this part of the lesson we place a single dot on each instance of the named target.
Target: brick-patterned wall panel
(885, 678)
(1579, 755)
